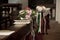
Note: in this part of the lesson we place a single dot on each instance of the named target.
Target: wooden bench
(21, 31)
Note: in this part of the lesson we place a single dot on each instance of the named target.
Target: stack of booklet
(21, 21)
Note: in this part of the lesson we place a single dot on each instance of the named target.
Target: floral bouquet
(26, 13)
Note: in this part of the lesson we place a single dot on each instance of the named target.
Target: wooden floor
(53, 32)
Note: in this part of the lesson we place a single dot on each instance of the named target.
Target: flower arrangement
(26, 13)
(40, 8)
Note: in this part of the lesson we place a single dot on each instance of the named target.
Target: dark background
(34, 3)
(3, 1)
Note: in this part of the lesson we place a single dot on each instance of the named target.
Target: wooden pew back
(7, 13)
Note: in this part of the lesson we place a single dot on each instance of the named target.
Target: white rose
(21, 12)
(43, 7)
(39, 8)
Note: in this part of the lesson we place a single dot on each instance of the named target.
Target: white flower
(39, 8)
(43, 7)
(21, 18)
(21, 11)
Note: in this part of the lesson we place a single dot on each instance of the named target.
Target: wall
(13, 1)
(23, 2)
(58, 10)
